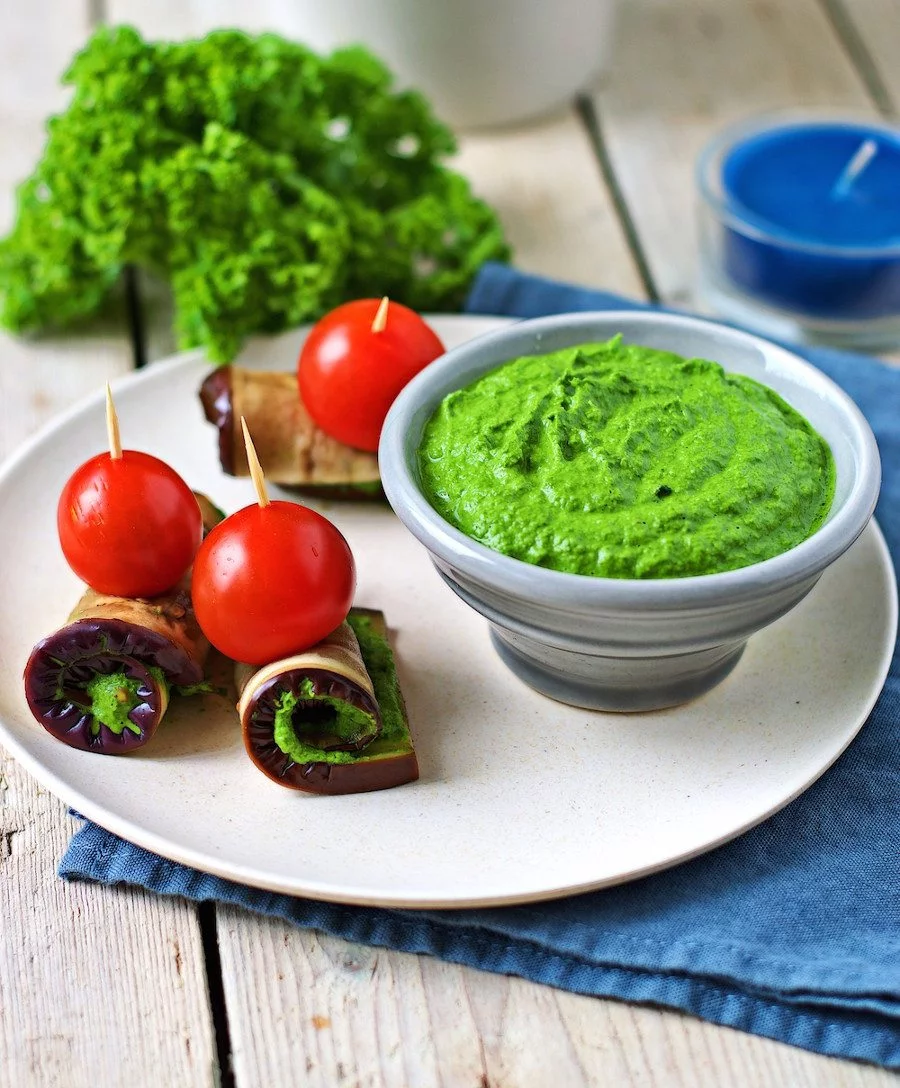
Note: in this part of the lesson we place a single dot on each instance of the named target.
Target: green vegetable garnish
(113, 696)
(348, 720)
(336, 718)
(267, 184)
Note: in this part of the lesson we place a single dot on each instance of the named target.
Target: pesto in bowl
(621, 461)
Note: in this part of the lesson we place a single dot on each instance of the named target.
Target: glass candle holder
(800, 228)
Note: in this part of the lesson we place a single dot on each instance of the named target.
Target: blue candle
(806, 218)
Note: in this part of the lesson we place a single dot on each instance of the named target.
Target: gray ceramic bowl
(628, 644)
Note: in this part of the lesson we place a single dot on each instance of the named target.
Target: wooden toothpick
(112, 427)
(380, 322)
(256, 472)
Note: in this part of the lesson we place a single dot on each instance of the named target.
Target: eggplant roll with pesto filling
(101, 683)
(331, 719)
(293, 451)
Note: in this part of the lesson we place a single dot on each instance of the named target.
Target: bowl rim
(585, 593)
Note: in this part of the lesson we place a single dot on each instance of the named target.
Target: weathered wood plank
(380, 1019)
(39, 377)
(98, 987)
(548, 191)
(870, 32)
(331, 1013)
(684, 70)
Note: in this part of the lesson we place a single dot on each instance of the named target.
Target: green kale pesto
(113, 697)
(621, 461)
(346, 722)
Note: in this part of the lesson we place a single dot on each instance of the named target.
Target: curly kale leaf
(426, 252)
(46, 277)
(266, 184)
(89, 208)
(248, 236)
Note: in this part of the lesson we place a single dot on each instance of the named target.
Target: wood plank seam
(206, 913)
(209, 935)
(857, 50)
(584, 107)
(134, 315)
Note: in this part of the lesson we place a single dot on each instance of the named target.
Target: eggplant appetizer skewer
(320, 707)
(294, 450)
(330, 720)
(318, 430)
(101, 683)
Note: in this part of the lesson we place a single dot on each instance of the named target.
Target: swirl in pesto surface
(620, 461)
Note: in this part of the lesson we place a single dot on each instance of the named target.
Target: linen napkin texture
(792, 931)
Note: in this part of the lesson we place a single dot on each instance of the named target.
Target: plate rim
(156, 843)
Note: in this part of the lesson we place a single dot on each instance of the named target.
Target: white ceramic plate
(520, 798)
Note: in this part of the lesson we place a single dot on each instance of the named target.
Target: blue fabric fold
(791, 931)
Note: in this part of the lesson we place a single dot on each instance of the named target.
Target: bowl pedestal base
(626, 684)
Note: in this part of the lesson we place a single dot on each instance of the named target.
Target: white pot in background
(480, 62)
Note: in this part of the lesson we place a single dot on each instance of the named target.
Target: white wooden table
(600, 194)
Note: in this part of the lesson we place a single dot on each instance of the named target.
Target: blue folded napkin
(791, 931)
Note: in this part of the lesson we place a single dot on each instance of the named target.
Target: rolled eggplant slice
(304, 719)
(150, 643)
(101, 683)
(293, 451)
(95, 701)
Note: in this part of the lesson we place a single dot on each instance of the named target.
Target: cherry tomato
(128, 526)
(270, 581)
(350, 376)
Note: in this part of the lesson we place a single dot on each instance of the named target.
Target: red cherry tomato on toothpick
(128, 524)
(272, 579)
(355, 362)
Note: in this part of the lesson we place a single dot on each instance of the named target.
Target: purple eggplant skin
(65, 711)
(106, 634)
(218, 407)
(324, 684)
(61, 666)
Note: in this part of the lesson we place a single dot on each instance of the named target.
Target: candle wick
(866, 151)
